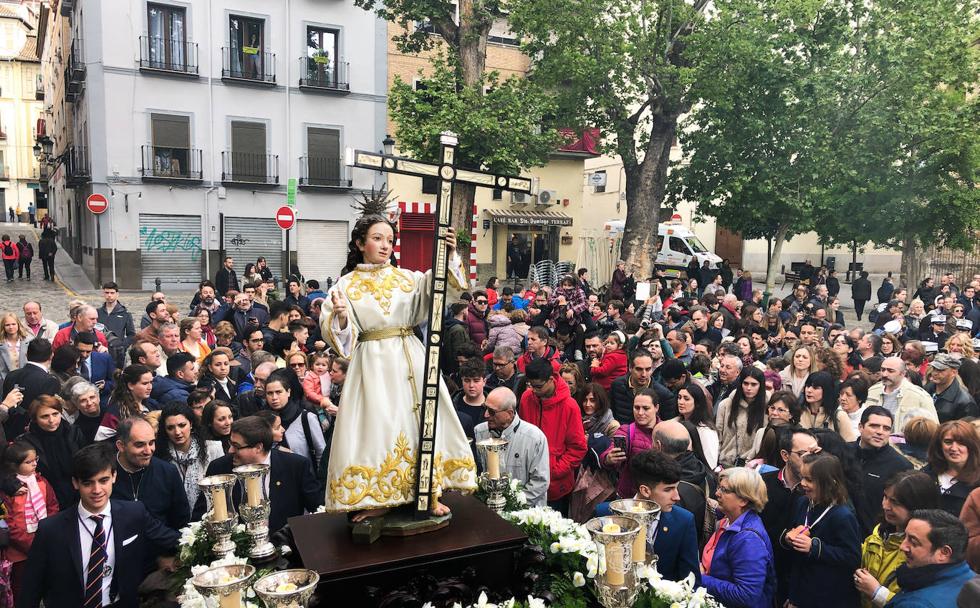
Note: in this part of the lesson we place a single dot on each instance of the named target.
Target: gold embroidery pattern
(379, 284)
(394, 482)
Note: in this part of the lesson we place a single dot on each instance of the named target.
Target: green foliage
(498, 131)
(441, 14)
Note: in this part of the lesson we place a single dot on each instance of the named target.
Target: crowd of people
(796, 462)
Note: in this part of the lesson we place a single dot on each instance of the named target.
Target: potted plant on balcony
(321, 61)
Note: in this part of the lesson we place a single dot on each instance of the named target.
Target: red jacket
(551, 354)
(476, 325)
(64, 337)
(612, 365)
(20, 538)
(560, 419)
(13, 248)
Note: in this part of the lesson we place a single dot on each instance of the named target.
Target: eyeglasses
(778, 410)
(490, 412)
(802, 453)
(538, 385)
(481, 302)
(725, 490)
(499, 364)
(297, 365)
(242, 447)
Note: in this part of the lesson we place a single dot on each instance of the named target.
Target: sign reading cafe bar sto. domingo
(532, 219)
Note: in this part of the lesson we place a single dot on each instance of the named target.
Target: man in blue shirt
(507, 297)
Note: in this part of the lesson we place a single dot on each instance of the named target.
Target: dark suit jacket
(33, 382)
(101, 368)
(293, 489)
(58, 579)
(676, 545)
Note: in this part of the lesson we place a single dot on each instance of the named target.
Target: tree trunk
(464, 196)
(474, 30)
(645, 188)
(913, 264)
(772, 268)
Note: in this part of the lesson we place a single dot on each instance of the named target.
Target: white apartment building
(193, 116)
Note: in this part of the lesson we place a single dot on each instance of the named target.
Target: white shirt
(86, 534)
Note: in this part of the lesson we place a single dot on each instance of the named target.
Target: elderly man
(729, 368)
(526, 455)
(169, 339)
(697, 482)
(84, 320)
(504, 372)
(39, 326)
(951, 398)
(899, 396)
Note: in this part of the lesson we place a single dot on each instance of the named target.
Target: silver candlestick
(220, 518)
(255, 509)
(644, 512)
(225, 582)
(493, 482)
(287, 588)
(616, 584)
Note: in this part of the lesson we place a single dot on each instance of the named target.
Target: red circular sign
(285, 217)
(97, 203)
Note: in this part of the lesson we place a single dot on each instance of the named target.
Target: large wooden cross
(448, 174)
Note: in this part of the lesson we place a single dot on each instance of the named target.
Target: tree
(907, 161)
(766, 79)
(617, 65)
(498, 131)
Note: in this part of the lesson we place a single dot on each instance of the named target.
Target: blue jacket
(825, 576)
(167, 389)
(743, 573)
(676, 545)
(935, 588)
(100, 368)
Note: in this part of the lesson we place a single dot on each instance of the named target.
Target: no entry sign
(97, 203)
(285, 217)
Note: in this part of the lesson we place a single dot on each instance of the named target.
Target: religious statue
(369, 317)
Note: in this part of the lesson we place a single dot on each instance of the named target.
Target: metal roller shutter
(248, 238)
(170, 248)
(322, 249)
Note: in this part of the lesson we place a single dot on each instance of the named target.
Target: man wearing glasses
(505, 372)
(476, 318)
(291, 486)
(526, 456)
(548, 404)
(782, 486)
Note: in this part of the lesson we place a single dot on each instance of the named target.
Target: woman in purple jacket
(737, 561)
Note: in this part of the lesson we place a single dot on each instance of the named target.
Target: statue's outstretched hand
(339, 309)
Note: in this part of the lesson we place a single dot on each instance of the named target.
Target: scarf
(287, 415)
(88, 426)
(35, 508)
(55, 451)
(594, 423)
(913, 579)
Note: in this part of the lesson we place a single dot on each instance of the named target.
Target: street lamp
(37, 150)
(389, 144)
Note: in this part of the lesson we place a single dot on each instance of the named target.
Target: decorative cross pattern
(449, 175)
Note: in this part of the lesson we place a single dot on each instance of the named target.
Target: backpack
(711, 509)
(8, 248)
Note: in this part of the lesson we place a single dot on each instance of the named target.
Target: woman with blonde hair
(961, 344)
(13, 354)
(914, 316)
(802, 364)
(192, 339)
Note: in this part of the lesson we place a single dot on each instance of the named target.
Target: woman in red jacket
(26, 507)
(613, 363)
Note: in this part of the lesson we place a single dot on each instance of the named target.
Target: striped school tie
(96, 566)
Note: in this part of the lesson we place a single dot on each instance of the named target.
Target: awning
(529, 218)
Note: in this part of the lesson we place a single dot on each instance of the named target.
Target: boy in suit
(673, 536)
(106, 541)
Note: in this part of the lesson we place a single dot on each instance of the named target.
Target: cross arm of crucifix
(406, 166)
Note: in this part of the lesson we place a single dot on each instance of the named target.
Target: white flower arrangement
(680, 594)
(483, 602)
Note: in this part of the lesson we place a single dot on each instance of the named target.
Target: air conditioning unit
(547, 197)
(519, 198)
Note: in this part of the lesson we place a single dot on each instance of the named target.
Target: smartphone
(619, 441)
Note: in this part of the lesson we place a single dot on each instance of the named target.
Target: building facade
(20, 108)
(193, 117)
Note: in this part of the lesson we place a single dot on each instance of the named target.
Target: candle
(220, 508)
(640, 545)
(232, 600)
(610, 528)
(253, 493)
(615, 569)
(493, 464)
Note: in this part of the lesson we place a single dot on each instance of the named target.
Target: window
(171, 145)
(677, 245)
(430, 185)
(249, 162)
(323, 161)
(498, 194)
(601, 188)
(322, 52)
(167, 38)
(246, 37)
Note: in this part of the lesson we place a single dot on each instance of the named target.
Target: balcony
(318, 75)
(77, 169)
(168, 56)
(74, 74)
(249, 168)
(323, 172)
(248, 65)
(171, 164)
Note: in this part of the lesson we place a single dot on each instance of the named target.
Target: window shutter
(171, 131)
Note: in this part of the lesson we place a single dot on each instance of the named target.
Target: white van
(676, 245)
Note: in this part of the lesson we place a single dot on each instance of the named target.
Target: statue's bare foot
(439, 510)
(368, 513)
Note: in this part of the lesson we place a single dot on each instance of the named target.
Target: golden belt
(396, 332)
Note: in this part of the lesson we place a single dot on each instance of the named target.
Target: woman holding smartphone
(631, 439)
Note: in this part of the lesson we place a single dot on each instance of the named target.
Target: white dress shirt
(86, 534)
